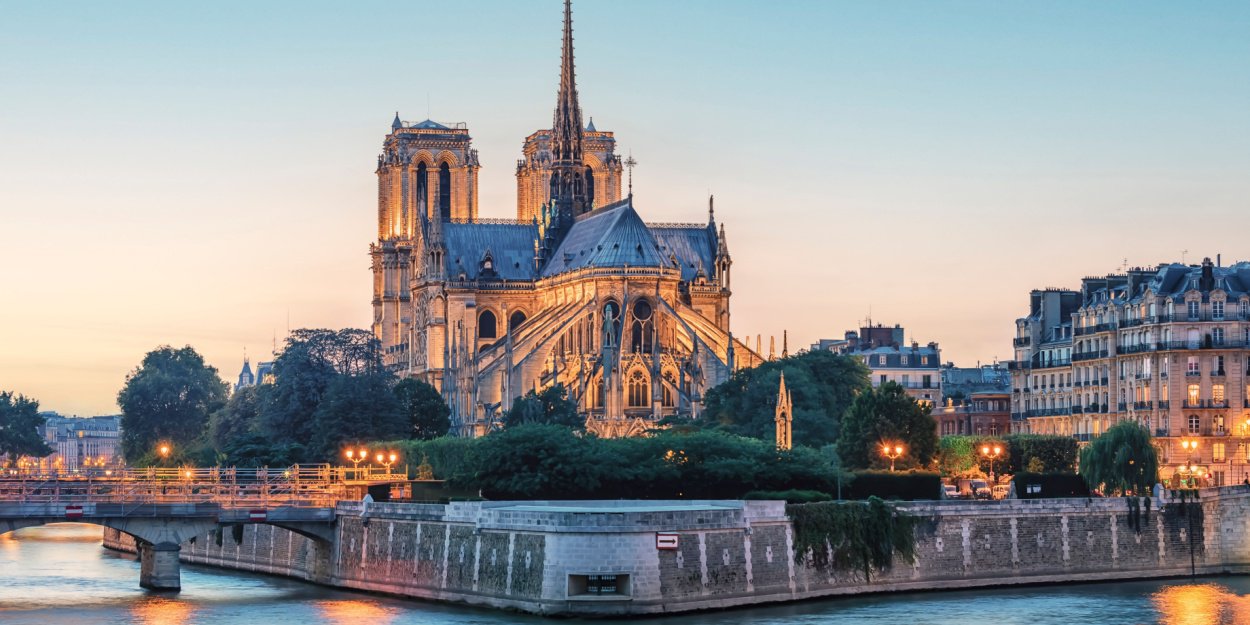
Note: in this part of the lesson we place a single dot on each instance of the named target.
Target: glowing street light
(892, 453)
(992, 453)
(387, 460)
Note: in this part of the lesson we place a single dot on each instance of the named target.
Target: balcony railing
(1090, 355)
(1022, 341)
(1206, 403)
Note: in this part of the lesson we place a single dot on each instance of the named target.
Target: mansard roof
(612, 236)
(511, 247)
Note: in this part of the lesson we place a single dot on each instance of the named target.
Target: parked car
(950, 491)
(980, 489)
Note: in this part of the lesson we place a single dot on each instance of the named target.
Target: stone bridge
(163, 508)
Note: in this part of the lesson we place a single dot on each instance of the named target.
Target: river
(59, 574)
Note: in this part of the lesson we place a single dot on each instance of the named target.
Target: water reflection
(157, 610)
(1201, 604)
(355, 612)
(59, 575)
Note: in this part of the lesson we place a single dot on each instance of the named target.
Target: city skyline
(156, 195)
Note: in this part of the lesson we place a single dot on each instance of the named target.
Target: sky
(202, 173)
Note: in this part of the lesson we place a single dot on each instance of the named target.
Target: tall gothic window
(590, 186)
(641, 330)
(444, 192)
(487, 326)
(639, 393)
(515, 319)
(423, 186)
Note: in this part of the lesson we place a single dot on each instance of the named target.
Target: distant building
(263, 375)
(81, 443)
(976, 401)
(917, 368)
(1167, 347)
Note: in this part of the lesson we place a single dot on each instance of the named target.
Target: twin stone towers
(632, 318)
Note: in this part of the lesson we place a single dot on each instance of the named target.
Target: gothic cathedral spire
(784, 417)
(568, 188)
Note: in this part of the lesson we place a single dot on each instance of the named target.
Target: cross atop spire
(566, 127)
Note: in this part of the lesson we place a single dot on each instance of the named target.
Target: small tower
(246, 378)
(784, 417)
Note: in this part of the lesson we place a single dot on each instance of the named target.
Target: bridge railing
(298, 485)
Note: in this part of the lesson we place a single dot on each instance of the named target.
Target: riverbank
(629, 558)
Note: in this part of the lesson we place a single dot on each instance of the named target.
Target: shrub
(894, 485)
(790, 496)
(1057, 454)
(1049, 485)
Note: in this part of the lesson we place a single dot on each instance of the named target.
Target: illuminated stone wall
(529, 555)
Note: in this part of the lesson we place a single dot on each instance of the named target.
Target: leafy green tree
(168, 397)
(887, 415)
(549, 406)
(1122, 460)
(238, 418)
(20, 424)
(356, 408)
(428, 415)
(311, 361)
(823, 385)
(536, 461)
(1054, 454)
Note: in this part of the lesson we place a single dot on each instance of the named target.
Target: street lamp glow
(163, 450)
(892, 453)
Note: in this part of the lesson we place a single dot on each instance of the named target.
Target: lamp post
(387, 460)
(1190, 445)
(892, 453)
(992, 453)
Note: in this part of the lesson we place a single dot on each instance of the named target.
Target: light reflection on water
(58, 575)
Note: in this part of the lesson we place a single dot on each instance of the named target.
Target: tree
(168, 397)
(886, 415)
(356, 408)
(20, 424)
(550, 406)
(238, 418)
(823, 385)
(1121, 461)
(303, 373)
(427, 413)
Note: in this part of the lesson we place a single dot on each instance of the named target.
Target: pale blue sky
(190, 173)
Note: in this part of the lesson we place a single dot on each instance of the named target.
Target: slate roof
(614, 236)
(511, 247)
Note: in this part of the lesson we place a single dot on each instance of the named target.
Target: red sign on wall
(257, 516)
(73, 512)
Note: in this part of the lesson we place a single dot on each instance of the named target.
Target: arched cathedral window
(422, 186)
(639, 390)
(487, 326)
(642, 329)
(515, 319)
(590, 186)
(444, 192)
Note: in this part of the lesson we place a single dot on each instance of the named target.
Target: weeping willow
(1121, 461)
(852, 536)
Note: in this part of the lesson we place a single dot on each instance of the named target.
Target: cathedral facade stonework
(632, 318)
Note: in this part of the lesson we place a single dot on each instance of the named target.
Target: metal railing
(296, 486)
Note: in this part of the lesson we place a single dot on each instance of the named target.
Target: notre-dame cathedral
(631, 317)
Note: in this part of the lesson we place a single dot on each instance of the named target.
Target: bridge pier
(159, 568)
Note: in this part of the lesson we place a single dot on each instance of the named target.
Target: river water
(59, 574)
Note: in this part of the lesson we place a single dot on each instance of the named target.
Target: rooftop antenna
(427, 104)
(1183, 253)
(629, 164)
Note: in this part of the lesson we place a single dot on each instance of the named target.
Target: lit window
(1217, 452)
(1193, 396)
(1217, 393)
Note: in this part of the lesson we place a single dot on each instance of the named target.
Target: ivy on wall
(852, 536)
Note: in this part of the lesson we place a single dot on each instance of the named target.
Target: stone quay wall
(540, 556)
